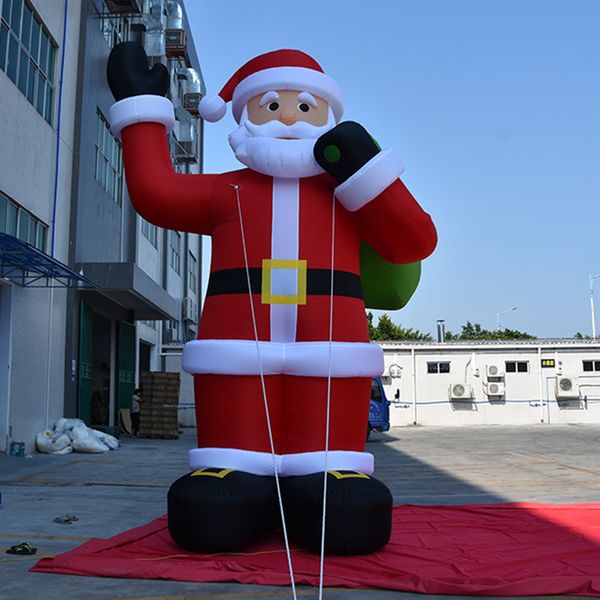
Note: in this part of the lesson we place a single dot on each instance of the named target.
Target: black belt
(318, 282)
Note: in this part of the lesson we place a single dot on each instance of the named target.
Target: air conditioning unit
(493, 371)
(185, 153)
(494, 388)
(567, 388)
(190, 309)
(460, 391)
(175, 42)
(191, 103)
(174, 33)
(395, 371)
(185, 146)
(124, 6)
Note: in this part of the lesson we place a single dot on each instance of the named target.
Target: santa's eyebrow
(307, 97)
(268, 97)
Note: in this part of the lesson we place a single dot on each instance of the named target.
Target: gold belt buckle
(267, 296)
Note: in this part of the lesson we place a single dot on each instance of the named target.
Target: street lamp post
(503, 312)
(592, 277)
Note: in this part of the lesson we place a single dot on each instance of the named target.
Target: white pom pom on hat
(212, 108)
(277, 70)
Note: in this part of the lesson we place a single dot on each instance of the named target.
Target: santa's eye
(303, 107)
(273, 106)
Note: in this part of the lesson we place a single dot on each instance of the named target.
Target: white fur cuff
(264, 463)
(141, 109)
(303, 359)
(369, 181)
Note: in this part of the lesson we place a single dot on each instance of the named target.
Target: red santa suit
(289, 344)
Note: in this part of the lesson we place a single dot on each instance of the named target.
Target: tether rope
(328, 409)
(236, 187)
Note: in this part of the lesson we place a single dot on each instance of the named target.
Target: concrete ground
(110, 493)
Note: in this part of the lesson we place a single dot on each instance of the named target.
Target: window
(171, 332)
(3, 205)
(591, 365)
(108, 171)
(27, 54)
(115, 29)
(517, 366)
(375, 391)
(150, 232)
(11, 219)
(16, 221)
(175, 251)
(192, 272)
(438, 367)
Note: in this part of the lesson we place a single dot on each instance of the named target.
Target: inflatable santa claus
(283, 363)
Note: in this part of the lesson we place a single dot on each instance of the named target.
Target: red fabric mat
(496, 549)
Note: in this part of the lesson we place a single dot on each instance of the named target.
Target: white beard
(257, 147)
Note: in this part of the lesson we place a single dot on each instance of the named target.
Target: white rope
(323, 519)
(236, 187)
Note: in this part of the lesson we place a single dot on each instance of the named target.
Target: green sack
(386, 286)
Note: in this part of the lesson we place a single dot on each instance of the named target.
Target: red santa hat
(277, 70)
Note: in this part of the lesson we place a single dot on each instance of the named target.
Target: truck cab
(379, 409)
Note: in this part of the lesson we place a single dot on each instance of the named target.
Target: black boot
(221, 510)
(358, 516)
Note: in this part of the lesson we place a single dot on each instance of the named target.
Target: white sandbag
(66, 424)
(66, 450)
(83, 439)
(51, 441)
(108, 440)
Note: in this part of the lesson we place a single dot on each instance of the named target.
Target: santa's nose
(287, 117)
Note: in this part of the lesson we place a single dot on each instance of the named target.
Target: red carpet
(498, 549)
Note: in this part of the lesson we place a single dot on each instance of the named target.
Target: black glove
(343, 150)
(128, 74)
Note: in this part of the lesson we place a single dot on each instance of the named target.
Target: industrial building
(90, 293)
(497, 382)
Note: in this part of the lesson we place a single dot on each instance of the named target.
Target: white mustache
(277, 129)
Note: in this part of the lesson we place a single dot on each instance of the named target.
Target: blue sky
(494, 108)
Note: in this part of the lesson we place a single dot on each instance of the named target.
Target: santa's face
(289, 107)
(278, 130)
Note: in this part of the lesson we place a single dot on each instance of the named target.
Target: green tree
(474, 331)
(386, 329)
(370, 325)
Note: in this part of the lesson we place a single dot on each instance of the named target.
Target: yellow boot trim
(349, 475)
(206, 471)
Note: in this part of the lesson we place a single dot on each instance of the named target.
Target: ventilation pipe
(191, 90)
(153, 22)
(441, 331)
(175, 15)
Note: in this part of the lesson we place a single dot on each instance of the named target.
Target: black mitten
(343, 150)
(128, 73)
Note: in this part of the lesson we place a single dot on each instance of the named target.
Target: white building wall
(37, 372)
(5, 361)
(529, 396)
(149, 258)
(174, 279)
(32, 393)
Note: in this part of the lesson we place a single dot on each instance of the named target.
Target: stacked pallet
(159, 406)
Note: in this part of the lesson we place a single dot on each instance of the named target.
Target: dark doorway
(144, 364)
(101, 370)
(95, 351)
